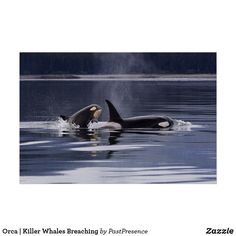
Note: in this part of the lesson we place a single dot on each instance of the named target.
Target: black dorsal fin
(114, 115)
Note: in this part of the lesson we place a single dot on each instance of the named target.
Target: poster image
(118, 118)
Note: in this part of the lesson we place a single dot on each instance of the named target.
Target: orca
(150, 121)
(84, 116)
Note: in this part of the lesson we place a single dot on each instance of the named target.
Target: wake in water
(61, 125)
(92, 134)
(54, 150)
(89, 139)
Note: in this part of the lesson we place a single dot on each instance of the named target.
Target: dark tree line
(117, 63)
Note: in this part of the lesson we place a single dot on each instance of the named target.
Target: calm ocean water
(51, 154)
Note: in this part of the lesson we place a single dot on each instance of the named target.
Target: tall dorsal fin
(114, 115)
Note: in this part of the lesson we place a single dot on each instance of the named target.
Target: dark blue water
(185, 154)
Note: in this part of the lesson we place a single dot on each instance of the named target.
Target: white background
(118, 26)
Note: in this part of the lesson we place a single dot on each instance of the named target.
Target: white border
(118, 26)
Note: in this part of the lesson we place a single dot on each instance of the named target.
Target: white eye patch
(164, 124)
(93, 109)
(97, 113)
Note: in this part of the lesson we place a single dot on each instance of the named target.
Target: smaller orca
(84, 116)
(151, 121)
